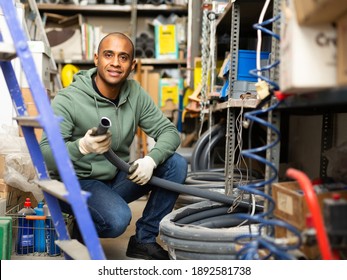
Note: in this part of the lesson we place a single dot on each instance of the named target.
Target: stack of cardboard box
(313, 12)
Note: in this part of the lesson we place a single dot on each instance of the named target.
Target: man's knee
(179, 164)
(115, 227)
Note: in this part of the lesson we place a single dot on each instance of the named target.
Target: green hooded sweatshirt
(81, 108)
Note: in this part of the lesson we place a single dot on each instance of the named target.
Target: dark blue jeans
(108, 203)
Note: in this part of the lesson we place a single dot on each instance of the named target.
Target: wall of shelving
(131, 19)
(301, 117)
(134, 20)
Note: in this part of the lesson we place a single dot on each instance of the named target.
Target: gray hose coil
(202, 231)
(169, 226)
(218, 131)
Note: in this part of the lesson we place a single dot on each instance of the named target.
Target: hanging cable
(258, 72)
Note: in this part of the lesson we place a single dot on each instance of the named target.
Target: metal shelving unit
(325, 103)
(110, 9)
(237, 18)
(230, 129)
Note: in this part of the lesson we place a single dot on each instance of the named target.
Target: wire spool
(186, 199)
(204, 147)
(211, 180)
(204, 230)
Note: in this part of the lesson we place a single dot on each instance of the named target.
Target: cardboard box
(64, 34)
(2, 166)
(308, 55)
(197, 72)
(319, 11)
(5, 32)
(342, 51)
(166, 44)
(291, 205)
(150, 82)
(69, 49)
(309, 251)
(170, 89)
(32, 111)
(14, 196)
(41, 54)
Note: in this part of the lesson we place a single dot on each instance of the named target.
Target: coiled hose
(203, 230)
(208, 235)
(203, 147)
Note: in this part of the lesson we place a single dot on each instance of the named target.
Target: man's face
(114, 60)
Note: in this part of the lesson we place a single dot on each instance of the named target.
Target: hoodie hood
(82, 82)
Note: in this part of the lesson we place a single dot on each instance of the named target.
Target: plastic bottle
(51, 248)
(39, 230)
(25, 238)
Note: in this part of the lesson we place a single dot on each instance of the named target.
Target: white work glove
(144, 170)
(94, 144)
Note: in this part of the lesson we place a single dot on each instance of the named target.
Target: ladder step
(57, 189)
(28, 121)
(73, 248)
(7, 51)
(54, 187)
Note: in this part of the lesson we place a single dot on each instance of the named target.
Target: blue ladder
(68, 189)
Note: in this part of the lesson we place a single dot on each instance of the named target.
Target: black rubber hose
(204, 214)
(103, 126)
(222, 221)
(170, 227)
(200, 145)
(172, 186)
(207, 150)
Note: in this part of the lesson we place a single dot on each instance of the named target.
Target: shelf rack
(132, 9)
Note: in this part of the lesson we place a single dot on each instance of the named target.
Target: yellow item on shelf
(67, 73)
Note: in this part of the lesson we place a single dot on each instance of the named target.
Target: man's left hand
(144, 170)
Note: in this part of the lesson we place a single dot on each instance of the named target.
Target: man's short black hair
(119, 34)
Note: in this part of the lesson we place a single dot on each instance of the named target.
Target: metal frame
(230, 129)
(273, 155)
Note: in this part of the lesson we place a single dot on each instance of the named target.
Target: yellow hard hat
(67, 73)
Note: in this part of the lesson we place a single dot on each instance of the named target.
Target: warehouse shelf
(234, 103)
(132, 19)
(335, 98)
(144, 61)
(108, 9)
(250, 12)
(92, 9)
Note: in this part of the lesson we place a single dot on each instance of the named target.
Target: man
(106, 91)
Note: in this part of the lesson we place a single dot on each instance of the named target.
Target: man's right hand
(95, 144)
